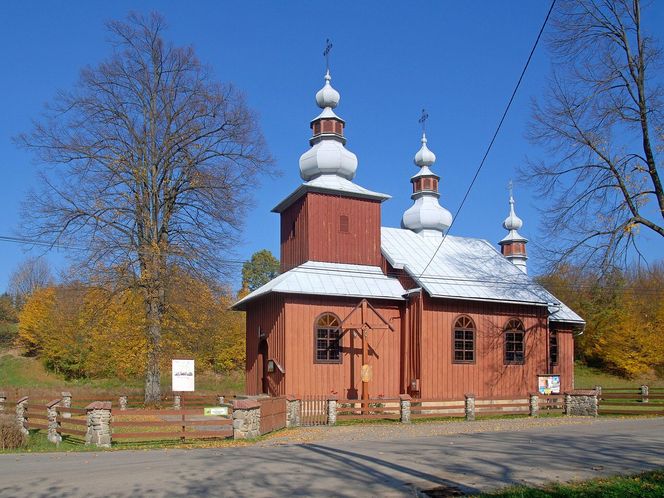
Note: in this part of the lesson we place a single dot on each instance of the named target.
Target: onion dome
(513, 245)
(426, 215)
(328, 154)
(327, 96)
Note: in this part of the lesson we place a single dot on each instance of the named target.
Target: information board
(183, 376)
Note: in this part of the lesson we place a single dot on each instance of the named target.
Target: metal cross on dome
(423, 120)
(326, 53)
(509, 187)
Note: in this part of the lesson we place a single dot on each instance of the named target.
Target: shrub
(11, 436)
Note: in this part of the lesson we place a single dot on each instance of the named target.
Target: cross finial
(423, 120)
(326, 53)
(509, 187)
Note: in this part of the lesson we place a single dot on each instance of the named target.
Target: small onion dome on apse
(426, 216)
(328, 154)
(513, 245)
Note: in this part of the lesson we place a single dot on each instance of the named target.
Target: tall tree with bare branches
(150, 165)
(601, 126)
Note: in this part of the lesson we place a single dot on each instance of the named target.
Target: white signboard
(183, 376)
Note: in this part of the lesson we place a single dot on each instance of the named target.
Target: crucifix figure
(423, 120)
(326, 53)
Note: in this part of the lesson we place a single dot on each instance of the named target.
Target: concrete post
(404, 405)
(246, 419)
(22, 414)
(534, 405)
(581, 403)
(177, 401)
(470, 407)
(292, 412)
(644, 394)
(3, 401)
(122, 401)
(53, 423)
(332, 410)
(66, 403)
(99, 424)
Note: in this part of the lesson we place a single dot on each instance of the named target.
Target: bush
(11, 436)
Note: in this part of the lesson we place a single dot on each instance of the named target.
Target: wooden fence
(162, 424)
(273, 414)
(72, 422)
(379, 408)
(313, 410)
(436, 408)
(632, 401)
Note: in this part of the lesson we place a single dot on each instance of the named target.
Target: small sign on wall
(183, 376)
(548, 384)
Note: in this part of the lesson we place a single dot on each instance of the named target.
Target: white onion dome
(327, 96)
(328, 155)
(424, 156)
(426, 216)
(512, 222)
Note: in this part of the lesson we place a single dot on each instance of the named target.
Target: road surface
(386, 466)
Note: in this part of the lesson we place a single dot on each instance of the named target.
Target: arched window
(514, 343)
(464, 340)
(327, 335)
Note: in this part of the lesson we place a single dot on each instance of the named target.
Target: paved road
(387, 467)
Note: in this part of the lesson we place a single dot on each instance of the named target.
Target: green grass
(645, 485)
(588, 377)
(21, 372)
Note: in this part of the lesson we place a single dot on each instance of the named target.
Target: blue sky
(459, 60)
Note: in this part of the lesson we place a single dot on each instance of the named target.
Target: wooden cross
(361, 329)
(326, 53)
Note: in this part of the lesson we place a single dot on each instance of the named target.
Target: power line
(493, 139)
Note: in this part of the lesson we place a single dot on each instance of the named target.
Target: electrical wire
(493, 139)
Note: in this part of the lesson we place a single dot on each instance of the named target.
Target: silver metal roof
(466, 268)
(329, 184)
(331, 279)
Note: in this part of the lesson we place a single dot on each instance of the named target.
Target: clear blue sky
(460, 60)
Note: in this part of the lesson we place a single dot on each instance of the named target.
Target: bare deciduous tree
(29, 276)
(601, 125)
(151, 164)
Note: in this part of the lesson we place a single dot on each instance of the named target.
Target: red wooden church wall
(317, 236)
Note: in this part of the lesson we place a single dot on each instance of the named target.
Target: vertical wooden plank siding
(565, 365)
(294, 235)
(487, 376)
(268, 313)
(306, 377)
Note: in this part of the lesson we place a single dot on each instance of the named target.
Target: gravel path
(377, 432)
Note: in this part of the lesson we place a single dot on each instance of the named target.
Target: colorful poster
(548, 384)
(183, 375)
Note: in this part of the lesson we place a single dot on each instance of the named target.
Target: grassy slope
(587, 377)
(20, 372)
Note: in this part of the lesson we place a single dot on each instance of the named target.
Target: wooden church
(361, 310)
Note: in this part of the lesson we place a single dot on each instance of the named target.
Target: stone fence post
(53, 424)
(292, 412)
(645, 392)
(220, 400)
(534, 405)
(3, 400)
(404, 408)
(177, 401)
(470, 407)
(99, 424)
(581, 402)
(246, 419)
(598, 389)
(332, 410)
(66, 403)
(22, 414)
(122, 401)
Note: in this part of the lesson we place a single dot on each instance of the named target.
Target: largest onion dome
(426, 215)
(328, 154)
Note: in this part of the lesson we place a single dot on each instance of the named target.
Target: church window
(328, 337)
(553, 347)
(343, 223)
(514, 343)
(464, 340)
